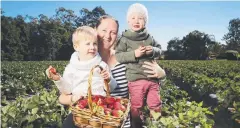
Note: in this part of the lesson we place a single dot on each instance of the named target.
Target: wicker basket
(88, 118)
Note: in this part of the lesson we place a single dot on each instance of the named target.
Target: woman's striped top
(121, 90)
(119, 75)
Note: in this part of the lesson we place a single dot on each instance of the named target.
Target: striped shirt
(118, 73)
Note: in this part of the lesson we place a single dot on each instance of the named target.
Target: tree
(11, 47)
(43, 37)
(217, 49)
(67, 20)
(195, 45)
(174, 50)
(232, 38)
(90, 17)
(24, 35)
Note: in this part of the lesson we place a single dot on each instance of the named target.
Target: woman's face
(107, 33)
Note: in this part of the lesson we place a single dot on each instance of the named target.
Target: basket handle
(90, 87)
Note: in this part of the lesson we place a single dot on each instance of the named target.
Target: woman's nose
(107, 35)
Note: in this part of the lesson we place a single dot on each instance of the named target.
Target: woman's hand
(153, 69)
(51, 73)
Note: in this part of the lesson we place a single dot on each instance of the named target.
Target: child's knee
(137, 103)
(154, 104)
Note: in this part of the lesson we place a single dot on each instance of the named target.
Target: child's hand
(105, 74)
(149, 50)
(52, 74)
(140, 51)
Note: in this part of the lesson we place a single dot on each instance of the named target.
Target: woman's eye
(87, 43)
(114, 33)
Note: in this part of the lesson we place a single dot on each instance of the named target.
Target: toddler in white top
(85, 57)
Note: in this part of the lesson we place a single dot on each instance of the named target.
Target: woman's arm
(154, 70)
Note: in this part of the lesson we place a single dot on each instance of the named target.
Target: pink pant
(138, 91)
(143, 88)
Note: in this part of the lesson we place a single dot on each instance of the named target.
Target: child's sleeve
(112, 83)
(122, 55)
(65, 83)
(156, 49)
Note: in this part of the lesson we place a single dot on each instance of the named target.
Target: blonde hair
(84, 33)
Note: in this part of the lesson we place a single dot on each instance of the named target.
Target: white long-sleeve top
(76, 74)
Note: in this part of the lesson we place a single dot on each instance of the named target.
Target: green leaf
(12, 114)
(4, 125)
(200, 104)
(34, 111)
(176, 124)
(234, 104)
(195, 114)
(165, 121)
(5, 109)
(181, 116)
(4, 119)
(31, 118)
(190, 113)
(31, 105)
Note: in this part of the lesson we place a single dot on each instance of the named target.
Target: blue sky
(167, 19)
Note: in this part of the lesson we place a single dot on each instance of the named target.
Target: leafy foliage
(208, 77)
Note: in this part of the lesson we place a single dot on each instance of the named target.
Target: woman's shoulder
(118, 67)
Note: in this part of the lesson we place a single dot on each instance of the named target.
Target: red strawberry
(117, 113)
(117, 106)
(97, 97)
(107, 111)
(110, 100)
(53, 70)
(118, 100)
(83, 103)
(100, 102)
(110, 106)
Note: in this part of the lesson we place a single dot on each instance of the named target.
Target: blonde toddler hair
(84, 33)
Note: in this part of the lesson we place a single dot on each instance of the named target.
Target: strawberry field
(194, 94)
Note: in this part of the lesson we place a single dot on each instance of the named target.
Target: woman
(107, 29)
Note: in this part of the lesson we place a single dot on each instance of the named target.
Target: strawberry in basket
(105, 105)
(110, 100)
(83, 103)
(117, 113)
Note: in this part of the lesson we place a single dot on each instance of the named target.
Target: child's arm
(122, 55)
(65, 82)
(106, 74)
(156, 49)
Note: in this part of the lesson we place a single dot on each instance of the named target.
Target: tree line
(199, 45)
(27, 38)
